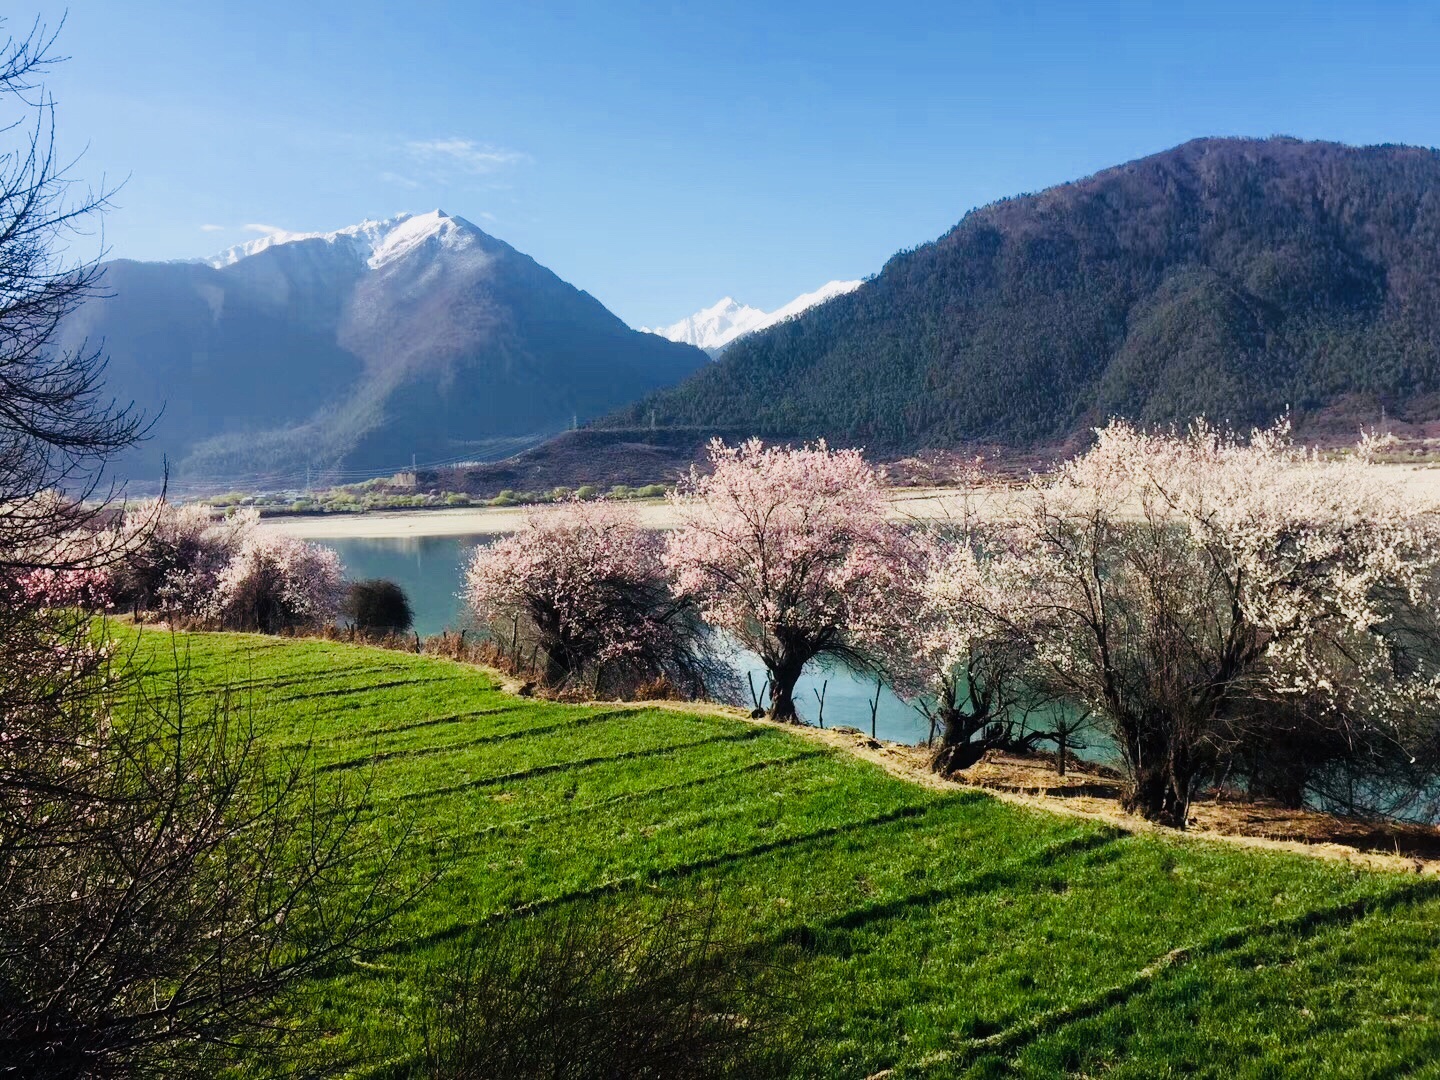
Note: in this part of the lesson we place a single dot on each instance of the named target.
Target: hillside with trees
(1229, 278)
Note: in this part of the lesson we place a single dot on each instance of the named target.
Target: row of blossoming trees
(182, 562)
(1221, 609)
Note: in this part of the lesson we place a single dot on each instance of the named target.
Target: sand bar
(927, 503)
(1418, 484)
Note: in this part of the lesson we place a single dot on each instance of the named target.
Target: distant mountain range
(332, 354)
(1229, 278)
(715, 327)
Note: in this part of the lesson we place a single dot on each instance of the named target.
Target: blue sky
(663, 155)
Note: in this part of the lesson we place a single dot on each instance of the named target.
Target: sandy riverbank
(1418, 484)
(490, 521)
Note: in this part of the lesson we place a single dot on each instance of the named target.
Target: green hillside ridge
(941, 934)
(1229, 278)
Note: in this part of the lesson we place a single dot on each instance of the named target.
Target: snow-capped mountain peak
(373, 242)
(715, 327)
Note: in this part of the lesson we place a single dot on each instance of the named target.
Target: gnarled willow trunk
(959, 748)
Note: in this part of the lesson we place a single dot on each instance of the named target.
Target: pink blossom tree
(86, 588)
(277, 582)
(171, 557)
(790, 552)
(74, 569)
(583, 586)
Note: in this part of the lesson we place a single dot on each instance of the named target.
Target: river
(430, 570)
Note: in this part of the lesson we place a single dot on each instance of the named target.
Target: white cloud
(402, 181)
(212, 228)
(265, 230)
(465, 155)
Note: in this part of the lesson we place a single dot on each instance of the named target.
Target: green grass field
(941, 934)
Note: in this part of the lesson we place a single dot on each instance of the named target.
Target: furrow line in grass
(328, 675)
(679, 822)
(574, 809)
(481, 740)
(578, 763)
(985, 881)
(807, 936)
(668, 873)
(367, 689)
(434, 721)
(1018, 1035)
(374, 733)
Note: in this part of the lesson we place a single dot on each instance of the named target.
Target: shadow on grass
(328, 675)
(566, 766)
(369, 688)
(678, 871)
(1016, 1037)
(434, 721)
(479, 740)
(999, 877)
(577, 808)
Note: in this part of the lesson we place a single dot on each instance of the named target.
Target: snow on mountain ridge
(715, 327)
(374, 242)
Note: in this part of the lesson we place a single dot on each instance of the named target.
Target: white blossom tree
(949, 652)
(1202, 594)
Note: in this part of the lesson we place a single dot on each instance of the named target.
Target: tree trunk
(557, 671)
(1160, 794)
(957, 750)
(784, 674)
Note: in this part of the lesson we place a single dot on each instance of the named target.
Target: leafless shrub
(597, 993)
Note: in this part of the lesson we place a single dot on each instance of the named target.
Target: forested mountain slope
(1230, 278)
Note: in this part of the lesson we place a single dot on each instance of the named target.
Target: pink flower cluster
(276, 582)
(87, 588)
(583, 579)
(775, 539)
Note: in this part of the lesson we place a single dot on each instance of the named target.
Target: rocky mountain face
(334, 354)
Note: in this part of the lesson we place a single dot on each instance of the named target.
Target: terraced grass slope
(942, 934)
